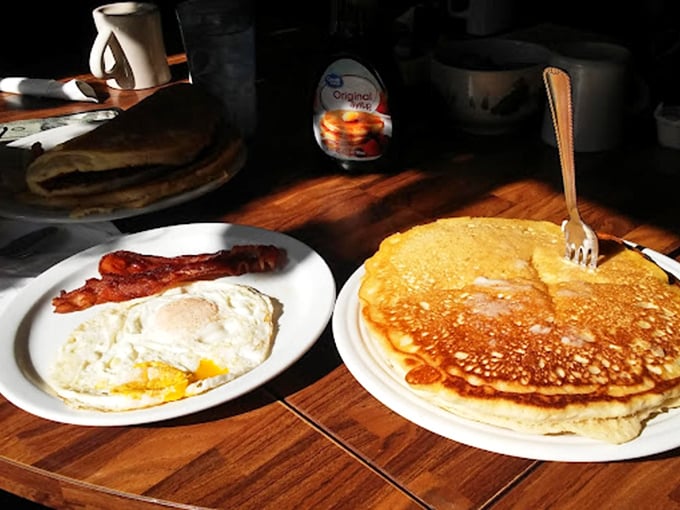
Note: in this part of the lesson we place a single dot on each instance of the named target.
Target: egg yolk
(156, 376)
(207, 368)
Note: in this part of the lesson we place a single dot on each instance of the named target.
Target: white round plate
(353, 343)
(32, 333)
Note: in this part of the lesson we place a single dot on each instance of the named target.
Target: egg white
(168, 346)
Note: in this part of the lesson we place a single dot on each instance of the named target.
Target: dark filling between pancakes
(115, 178)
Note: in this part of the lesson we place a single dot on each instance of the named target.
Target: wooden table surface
(313, 437)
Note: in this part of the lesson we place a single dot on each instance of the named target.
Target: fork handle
(558, 85)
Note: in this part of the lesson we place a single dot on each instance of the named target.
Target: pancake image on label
(353, 133)
(164, 347)
(484, 317)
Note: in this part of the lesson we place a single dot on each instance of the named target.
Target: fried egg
(165, 347)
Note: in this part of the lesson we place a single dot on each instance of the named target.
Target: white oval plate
(365, 364)
(32, 333)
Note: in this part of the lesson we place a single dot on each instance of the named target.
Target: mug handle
(97, 65)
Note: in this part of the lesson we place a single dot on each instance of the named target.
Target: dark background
(52, 39)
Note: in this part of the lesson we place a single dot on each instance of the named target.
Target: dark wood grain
(251, 453)
(441, 472)
(629, 484)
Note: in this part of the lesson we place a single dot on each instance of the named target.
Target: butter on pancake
(485, 318)
(165, 347)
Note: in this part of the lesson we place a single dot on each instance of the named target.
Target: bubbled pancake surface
(484, 317)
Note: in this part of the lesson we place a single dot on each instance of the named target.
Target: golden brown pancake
(215, 167)
(485, 318)
(171, 142)
(169, 128)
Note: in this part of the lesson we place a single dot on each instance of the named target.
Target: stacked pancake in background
(484, 317)
(171, 142)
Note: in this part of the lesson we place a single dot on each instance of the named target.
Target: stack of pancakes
(172, 142)
(484, 317)
(346, 132)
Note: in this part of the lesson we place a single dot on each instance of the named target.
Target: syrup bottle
(354, 119)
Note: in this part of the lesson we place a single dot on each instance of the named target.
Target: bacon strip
(127, 275)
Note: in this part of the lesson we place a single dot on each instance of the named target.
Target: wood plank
(249, 453)
(644, 483)
(441, 472)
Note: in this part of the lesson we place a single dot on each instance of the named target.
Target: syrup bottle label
(351, 116)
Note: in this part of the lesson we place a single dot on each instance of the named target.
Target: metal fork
(580, 240)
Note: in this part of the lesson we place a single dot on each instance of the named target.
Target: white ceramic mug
(483, 17)
(490, 85)
(600, 76)
(129, 50)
